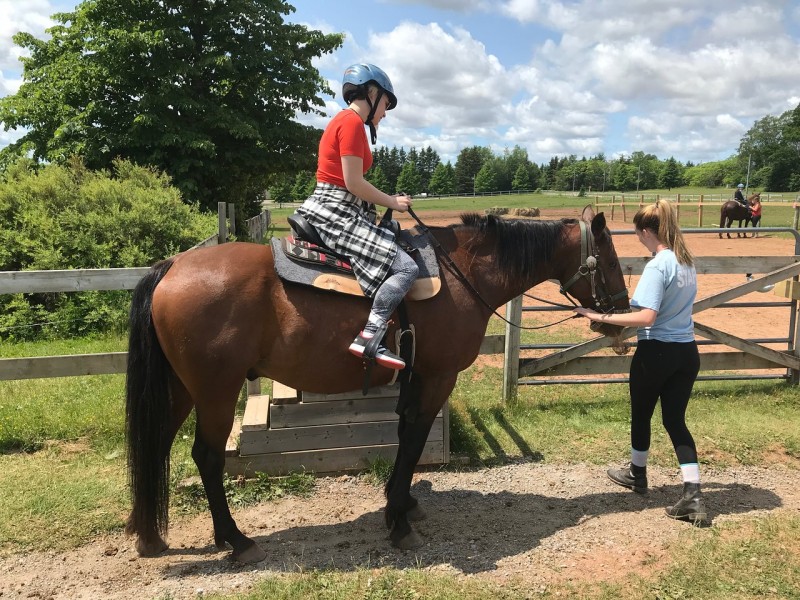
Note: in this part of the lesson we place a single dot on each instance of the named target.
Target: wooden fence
(628, 204)
(572, 364)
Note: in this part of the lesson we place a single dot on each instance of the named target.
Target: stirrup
(371, 349)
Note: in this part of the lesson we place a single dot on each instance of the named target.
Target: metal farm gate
(571, 363)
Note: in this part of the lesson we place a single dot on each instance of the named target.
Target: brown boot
(690, 507)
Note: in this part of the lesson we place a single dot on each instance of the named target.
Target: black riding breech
(665, 370)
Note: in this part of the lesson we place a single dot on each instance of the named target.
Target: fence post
(511, 354)
(796, 218)
(232, 218)
(677, 206)
(614, 197)
(700, 212)
(222, 224)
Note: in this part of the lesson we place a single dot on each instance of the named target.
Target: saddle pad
(332, 276)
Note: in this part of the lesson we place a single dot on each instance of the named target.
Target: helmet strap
(372, 107)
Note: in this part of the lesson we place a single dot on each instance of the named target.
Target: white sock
(639, 457)
(690, 473)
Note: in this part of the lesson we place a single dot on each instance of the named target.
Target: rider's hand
(402, 202)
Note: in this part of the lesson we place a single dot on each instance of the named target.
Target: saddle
(302, 257)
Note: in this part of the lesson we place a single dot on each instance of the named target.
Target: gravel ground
(529, 523)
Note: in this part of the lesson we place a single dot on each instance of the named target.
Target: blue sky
(674, 78)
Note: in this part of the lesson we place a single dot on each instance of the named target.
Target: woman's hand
(589, 313)
(402, 202)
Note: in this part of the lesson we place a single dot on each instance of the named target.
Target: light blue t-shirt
(669, 288)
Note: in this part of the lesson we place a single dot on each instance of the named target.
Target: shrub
(67, 217)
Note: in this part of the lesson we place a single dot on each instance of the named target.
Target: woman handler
(666, 361)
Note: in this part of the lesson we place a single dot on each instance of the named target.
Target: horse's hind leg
(214, 421)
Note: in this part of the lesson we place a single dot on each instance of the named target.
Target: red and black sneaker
(383, 356)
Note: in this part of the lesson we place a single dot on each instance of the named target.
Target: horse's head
(594, 276)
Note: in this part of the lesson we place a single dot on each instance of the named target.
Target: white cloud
(33, 18)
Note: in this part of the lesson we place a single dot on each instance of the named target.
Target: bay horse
(206, 319)
(734, 211)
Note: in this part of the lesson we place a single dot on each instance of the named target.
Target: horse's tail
(147, 412)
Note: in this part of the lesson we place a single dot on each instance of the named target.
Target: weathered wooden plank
(786, 360)
(63, 366)
(232, 445)
(608, 365)
(72, 280)
(283, 394)
(333, 412)
(382, 391)
(325, 436)
(718, 265)
(256, 413)
(774, 276)
(326, 461)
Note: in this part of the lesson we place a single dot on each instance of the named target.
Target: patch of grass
(374, 584)
(379, 471)
(241, 492)
(68, 408)
(732, 422)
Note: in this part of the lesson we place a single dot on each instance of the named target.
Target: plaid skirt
(347, 225)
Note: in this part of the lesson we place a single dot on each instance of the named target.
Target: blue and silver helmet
(357, 76)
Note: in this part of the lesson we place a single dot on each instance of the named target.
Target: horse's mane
(521, 245)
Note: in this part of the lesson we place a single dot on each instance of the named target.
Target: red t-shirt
(344, 136)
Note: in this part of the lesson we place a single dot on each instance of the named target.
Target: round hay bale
(526, 212)
(496, 210)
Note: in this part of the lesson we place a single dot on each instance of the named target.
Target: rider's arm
(644, 317)
(353, 171)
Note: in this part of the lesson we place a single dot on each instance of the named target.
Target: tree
(408, 181)
(376, 177)
(205, 91)
(469, 162)
(486, 179)
(670, 174)
(443, 180)
(281, 189)
(522, 180)
(304, 184)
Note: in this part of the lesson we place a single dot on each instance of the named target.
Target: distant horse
(733, 211)
(204, 320)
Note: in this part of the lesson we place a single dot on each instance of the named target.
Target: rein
(587, 268)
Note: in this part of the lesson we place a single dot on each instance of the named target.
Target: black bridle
(604, 302)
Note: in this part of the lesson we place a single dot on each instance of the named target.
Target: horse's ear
(598, 225)
(587, 214)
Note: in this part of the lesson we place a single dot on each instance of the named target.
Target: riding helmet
(360, 74)
(741, 185)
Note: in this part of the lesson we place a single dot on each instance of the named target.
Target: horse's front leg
(208, 453)
(429, 394)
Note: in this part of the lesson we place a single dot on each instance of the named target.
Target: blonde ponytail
(660, 218)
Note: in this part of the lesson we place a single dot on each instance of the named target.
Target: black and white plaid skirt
(347, 225)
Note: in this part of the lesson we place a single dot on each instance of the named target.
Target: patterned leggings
(402, 275)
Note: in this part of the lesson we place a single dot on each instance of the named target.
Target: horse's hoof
(416, 514)
(252, 554)
(151, 548)
(410, 541)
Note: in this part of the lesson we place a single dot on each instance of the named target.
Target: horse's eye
(613, 264)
